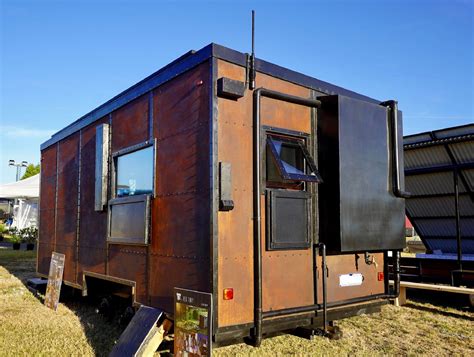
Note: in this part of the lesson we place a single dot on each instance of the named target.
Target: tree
(31, 170)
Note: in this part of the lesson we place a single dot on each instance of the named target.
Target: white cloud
(20, 132)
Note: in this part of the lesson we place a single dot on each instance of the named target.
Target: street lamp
(18, 165)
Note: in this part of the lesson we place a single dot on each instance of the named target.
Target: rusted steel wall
(287, 275)
(130, 124)
(67, 205)
(347, 264)
(47, 209)
(181, 209)
(179, 251)
(92, 224)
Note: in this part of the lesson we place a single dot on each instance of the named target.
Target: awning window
(290, 160)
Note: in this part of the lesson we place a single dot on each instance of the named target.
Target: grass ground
(29, 328)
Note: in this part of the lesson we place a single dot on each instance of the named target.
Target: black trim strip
(435, 169)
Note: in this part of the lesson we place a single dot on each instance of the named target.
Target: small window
(288, 160)
(134, 172)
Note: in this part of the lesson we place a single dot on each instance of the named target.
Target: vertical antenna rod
(252, 57)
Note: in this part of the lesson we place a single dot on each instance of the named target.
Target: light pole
(18, 165)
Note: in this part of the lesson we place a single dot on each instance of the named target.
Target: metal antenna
(252, 56)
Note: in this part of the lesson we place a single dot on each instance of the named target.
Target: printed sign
(55, 279)
(193, 321)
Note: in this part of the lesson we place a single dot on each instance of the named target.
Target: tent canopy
(27, 188)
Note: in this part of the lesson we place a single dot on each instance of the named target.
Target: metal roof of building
(432, 160)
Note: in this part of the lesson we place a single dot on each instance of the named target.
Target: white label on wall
(351, 279)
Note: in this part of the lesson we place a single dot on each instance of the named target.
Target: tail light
(228, 293)
(380, 276)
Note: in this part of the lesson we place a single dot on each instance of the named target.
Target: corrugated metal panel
(431, 213)
(463, 152)
(432, 184)
(449, 245)
(444, 227)
(439, 206)
(469, 176)
(426, 157)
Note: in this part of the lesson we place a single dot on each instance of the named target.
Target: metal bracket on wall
(225, 187)
(230, 88)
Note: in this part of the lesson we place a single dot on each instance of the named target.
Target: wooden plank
(55, 278)
(142, 335)
(444, 288)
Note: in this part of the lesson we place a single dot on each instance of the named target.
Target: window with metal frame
(288, 160)
(134, 173)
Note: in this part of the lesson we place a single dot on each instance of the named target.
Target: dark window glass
(289, 160)
(134, 173)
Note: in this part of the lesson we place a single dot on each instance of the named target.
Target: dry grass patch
(27, 327)
(413, 330)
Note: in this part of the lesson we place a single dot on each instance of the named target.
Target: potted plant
(29, 235)
(16, 240)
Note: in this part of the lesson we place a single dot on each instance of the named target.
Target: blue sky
(61, 59)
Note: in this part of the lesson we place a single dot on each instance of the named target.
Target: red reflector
(380, 276)
(228, 293)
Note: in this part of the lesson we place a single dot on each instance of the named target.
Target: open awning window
(291, 160)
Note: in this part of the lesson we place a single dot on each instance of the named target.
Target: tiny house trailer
(279, 194)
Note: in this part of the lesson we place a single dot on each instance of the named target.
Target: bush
(15, 238)
(3, 228)
(29, 234)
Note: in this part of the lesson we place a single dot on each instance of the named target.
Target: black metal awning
(439, 173)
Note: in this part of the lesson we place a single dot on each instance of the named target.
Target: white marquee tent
(26, 194)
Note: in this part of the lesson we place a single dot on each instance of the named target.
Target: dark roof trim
(428, 138)
(452, 140)
(186, 62)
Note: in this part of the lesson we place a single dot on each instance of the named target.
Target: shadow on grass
(437, 311)
(101, 334)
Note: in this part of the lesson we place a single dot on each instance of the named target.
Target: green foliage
(29, 234)
(3, 228)
(31, 170)
(15, 236)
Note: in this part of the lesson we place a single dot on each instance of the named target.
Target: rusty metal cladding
(66, 209)
(93, 224)
(282, 287)
(180, 211)
(349, 264)
(130, 124)
(47, 208)
(180, 163)
(129, 262)
(235, 227)
(181, 104)
(235, 243)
